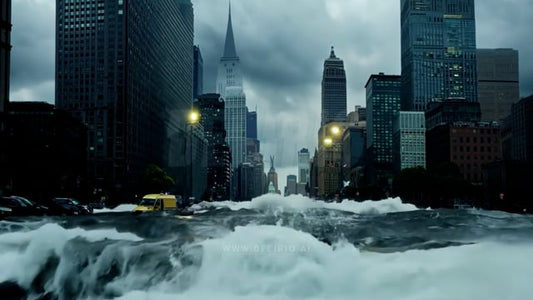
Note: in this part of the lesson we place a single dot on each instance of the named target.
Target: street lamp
(192, 119)
(335, 130)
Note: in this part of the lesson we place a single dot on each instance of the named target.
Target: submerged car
(21, 206)
(68, 206)
(4, 212)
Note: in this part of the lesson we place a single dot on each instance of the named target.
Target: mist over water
(272, 248)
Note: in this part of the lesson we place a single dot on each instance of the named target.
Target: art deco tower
(229, 86)
(333, 90)
(438, 51)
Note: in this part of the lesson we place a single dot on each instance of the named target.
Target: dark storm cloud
(282, 45)
(33, 52)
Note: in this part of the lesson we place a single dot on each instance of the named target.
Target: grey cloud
(33, 52)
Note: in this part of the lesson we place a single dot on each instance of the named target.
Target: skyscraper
(211, 108)
(110, 74)
(333, 90)
(5, 49)
(498, 88)
(383, 106)
(229, 86)
(438, 51)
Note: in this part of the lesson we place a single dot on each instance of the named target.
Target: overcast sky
(282, 45)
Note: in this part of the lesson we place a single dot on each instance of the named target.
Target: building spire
(332, 53)
(229, 46)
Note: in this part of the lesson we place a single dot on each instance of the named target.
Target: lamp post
(192, 119)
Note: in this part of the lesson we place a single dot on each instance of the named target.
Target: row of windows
(474, 149)
(474, 139)
(475, 158)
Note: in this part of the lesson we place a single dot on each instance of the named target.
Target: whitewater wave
(298, 203)
(241, 251)
(272, 262)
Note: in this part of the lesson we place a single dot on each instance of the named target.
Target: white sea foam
(274, 202)
(22, 254)
(120, 208)
(272, 262)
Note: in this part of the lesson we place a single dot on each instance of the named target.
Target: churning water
(271, 248)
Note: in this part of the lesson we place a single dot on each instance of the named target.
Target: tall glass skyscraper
(124, 68)
(438, 51)
(383, 106)
(333, 90)
(229, 86)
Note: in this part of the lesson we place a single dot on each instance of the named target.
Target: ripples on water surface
(272, 248)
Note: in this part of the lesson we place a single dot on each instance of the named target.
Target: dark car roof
(13, 200)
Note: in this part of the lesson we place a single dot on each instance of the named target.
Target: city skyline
(282, 51)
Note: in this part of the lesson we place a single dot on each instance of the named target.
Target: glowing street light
(194, 117)
(335, 130)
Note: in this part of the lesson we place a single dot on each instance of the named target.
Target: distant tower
(333, 90)
(229, 86)
(272, 175)
(290, 189)
(303, 165)
(438, 50)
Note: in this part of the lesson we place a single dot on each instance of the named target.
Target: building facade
(522, 129)
(383, 105)
(198, 73)
(468, 145)
(291, 188)
(328, 160)
(409, 141)
(211, 109)
(5, 50)
(229, 86)
(110, 75)
(451, 110)
(498, 88)
(333, 90)
(49, 159)
(358, 115)
(438, 51)
(353, 153)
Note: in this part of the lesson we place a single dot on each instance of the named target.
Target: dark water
(271, 248)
